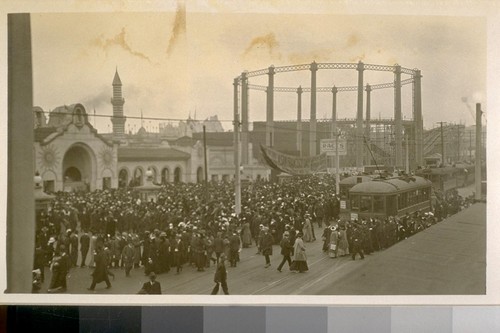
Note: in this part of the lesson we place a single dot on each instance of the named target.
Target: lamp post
(337, 160)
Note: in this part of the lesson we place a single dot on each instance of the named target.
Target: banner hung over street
(294, 165)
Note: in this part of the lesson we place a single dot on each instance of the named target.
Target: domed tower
(117, 101)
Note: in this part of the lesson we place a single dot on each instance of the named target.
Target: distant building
(71, 155)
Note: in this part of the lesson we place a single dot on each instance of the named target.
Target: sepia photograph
(223, 152)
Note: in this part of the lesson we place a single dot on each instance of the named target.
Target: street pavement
(448, 258)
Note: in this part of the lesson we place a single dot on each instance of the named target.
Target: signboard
(328, 146)
(354, 216)
(343, 204)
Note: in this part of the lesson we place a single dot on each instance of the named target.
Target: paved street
(448, 258)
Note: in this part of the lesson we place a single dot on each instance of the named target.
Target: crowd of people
(192, 226)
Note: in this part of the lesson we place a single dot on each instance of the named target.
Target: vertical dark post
(299, 120)
(417, 112)
(244, 118)
(270, 108)
(470, 146)
(367, 124)
(205, 160)
(237, 179)
(479, 148)
(458, 143)
(442, 145)
(398, 124)
(312, 121)
(359, 117)
(20, 186)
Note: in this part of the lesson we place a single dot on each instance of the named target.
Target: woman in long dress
(246, 235)
(334, 242)
(300, 259)
(307, 229)
(343, 244)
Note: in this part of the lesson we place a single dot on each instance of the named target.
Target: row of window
(387, 203)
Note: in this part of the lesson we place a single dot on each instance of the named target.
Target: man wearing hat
(286, 250)
(152, 287)
(267, 246)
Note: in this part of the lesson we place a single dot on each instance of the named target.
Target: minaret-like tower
(117, 101)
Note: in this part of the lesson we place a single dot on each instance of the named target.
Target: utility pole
(407, 154)
(477, 175)
(458, 143)
(442, 142)
(237, 180)
(470, 146)
(205, 161)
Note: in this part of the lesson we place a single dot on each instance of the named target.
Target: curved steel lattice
(329, 89)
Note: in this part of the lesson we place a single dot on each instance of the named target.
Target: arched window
(199, 175)
(165, 175)
(177, 175)
(138, 179)
(123, 178)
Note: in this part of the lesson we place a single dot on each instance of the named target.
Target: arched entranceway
(177, 175)
(78, 168)
(165, 175)
(123, 178)
(138, 179)
(199, 175)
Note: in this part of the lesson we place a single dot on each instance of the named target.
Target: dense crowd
(190, 224)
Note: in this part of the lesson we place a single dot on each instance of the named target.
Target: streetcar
(344, 186)
(381, 198)
(448, 178)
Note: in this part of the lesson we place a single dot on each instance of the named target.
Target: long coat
(100, 272)
(267, 244)
(307, 230)
(299, 250)
(246, 235)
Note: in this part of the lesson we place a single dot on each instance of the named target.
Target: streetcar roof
(391, 185)
(352, 180)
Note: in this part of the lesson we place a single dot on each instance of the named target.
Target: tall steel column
(367, 122)
(417, 118)
(359, 117)
(299, 120)
(312, 121)
(270, 109)
(20, 186)
(334, 111)
(237, 180)
(398, 124)
(244, 118)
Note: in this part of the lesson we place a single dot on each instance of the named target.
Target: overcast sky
(175, 64)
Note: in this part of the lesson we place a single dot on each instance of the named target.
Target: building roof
(126, 154)
(216, 138)
(42, 132)
(390, 185)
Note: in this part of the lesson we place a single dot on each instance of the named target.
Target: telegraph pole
(458, 143)
(477, 175)
(205, 160)
(237, 180)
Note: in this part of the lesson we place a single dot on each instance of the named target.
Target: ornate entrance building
(69, 153)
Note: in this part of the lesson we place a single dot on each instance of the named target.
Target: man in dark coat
(234, 248)
(357, 243)
(152, 287)
(100, 273)
(220, 277)
(286, 250)
(73, 250)
(84, 247)
(267, 246)
(218, 246)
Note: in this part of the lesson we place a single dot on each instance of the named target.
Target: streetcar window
(392, 207)
(365, 203)
(403, 200)
(354, 202)
(378, 204)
